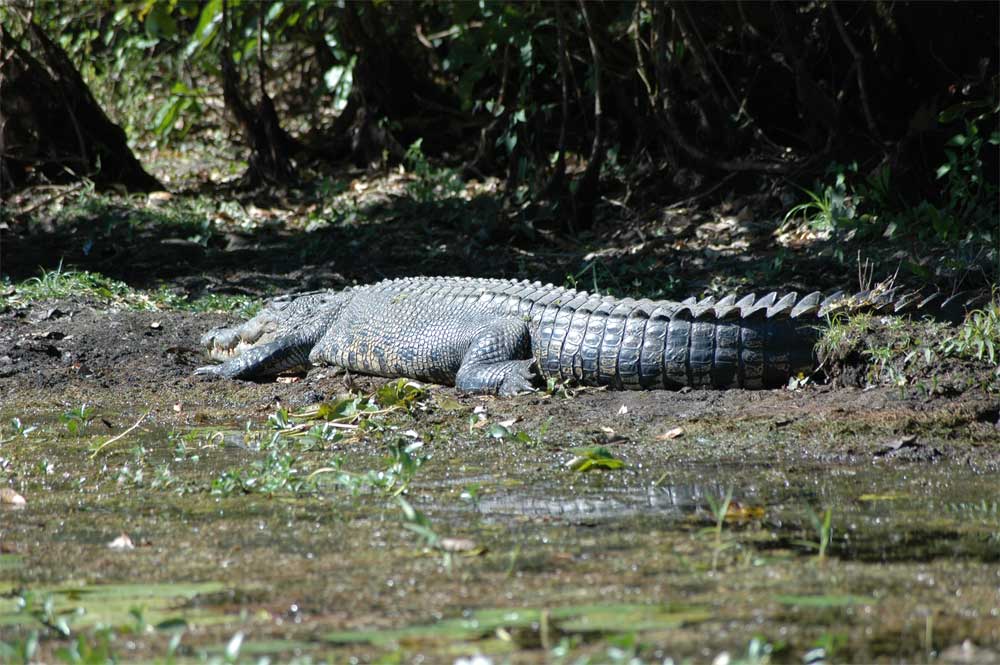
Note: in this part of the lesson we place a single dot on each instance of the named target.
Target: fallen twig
(107, 443)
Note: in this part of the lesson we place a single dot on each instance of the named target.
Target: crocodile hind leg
(496, 360)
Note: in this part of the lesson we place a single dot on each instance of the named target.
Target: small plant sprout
(76, 420)
(823, 526)
(429, 183)
(417, 522)
(979, 336)
(20, 430)
(719, 510)
(471, 493)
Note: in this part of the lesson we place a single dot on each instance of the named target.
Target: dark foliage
(51, 123)
(566, 100)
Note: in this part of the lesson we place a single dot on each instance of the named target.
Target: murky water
(379, 548)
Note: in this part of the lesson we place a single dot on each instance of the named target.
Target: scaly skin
(493, 335)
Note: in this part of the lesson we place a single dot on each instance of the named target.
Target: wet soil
(539, 563)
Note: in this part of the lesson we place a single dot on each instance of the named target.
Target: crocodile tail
(750, 343)
(727, 343)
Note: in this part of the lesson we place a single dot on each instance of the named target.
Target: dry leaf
(158, 198)
(742, 513)
(9, 497)
(671, 434)
(122, 542)
(457, 545)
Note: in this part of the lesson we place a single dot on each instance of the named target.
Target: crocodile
(495, 336)
(663, 500)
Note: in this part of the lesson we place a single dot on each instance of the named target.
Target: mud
(514, 556)
(125, 362)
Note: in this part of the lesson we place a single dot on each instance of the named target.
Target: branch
(555, 183)
(586, 193)
(261, 73)
(859, 68)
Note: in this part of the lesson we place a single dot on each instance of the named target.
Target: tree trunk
(270, 145)
(50, 124)
(391, 103)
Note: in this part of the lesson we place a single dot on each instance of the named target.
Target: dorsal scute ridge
(759, 308)
(662, 311)
(929, 300)
(831, 302)
(593, 302)
(905, 302)
(684, 312)
(576, 302)
(724, 311)
(767, 300)
(727, 301)
(783, 307)
(643, 308)
(704, 309)
(520, 296)
(950, 301)
(621, 309)
(807, 305)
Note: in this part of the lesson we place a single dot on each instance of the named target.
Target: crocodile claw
(519, 381)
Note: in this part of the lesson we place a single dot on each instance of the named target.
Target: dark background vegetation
(841, 129)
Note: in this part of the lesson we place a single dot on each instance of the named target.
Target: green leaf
(345, 408)
(593, 457)
(159, 23)
(523, 437)
(173, 623)
(423, 531)
(208, 26)
(498, 431)
(166, 116)
(952, 113)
